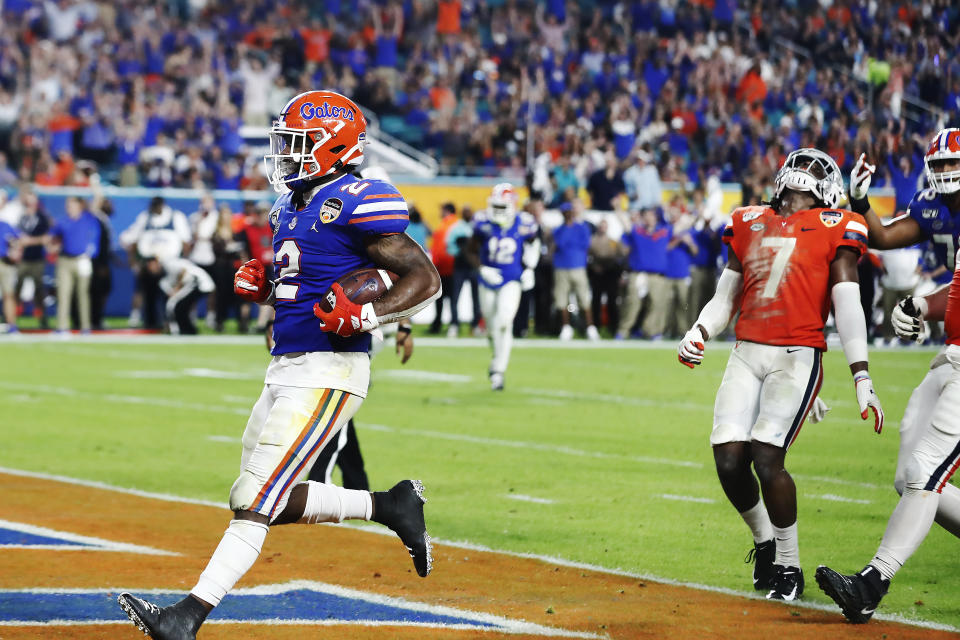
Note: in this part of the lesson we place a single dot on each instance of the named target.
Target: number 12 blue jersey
(316, 245)
(502, 248)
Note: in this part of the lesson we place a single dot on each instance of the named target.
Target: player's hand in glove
(490, 275)
(527, 280)
(690, 352)
(860, 178)
(868, 400)
(907, 319)
(818, 411)
(346, 317)
(250, 282)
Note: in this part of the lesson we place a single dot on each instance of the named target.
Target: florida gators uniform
(774, 371)
(316, 380)
(929, 433)
(501, 249)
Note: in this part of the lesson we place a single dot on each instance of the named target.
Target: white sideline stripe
(617, 399)
(842, 482)
(470, 546)
(835, 498)
(417, 375)
(670, 496)
(537, 446)
(522, 497)
(227, 439)
(125, 399)
(99, 544)
(191, 372)
(499, 623)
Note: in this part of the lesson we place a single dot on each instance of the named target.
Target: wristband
(860, 206)
(861, 375)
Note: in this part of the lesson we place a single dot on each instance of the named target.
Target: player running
(929, 432)
(506, 248)
(787, 262)
(327, 224)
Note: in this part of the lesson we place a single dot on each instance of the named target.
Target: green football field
(595, 455)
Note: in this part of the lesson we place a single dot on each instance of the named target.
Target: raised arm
(902, 232)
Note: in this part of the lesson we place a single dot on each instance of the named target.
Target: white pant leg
(500, 306)
(738, 398)
(936, 453)
(790, 386)
(298, 423)
(917, 416)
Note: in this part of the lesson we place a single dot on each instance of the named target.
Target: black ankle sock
(381, 500)
(193, 608)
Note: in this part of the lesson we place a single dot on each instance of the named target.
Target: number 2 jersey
(786, 270)
(316, 245)
(502, 248)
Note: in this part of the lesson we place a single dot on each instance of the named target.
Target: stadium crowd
(157, 93)
(618, 97)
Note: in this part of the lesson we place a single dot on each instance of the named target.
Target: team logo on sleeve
(330, 210)
(275, 219)
(293, 223)
(830, 218)
(757, 226)
(751, 215)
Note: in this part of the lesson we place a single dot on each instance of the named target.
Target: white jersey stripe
(853, 225)
(390, 205)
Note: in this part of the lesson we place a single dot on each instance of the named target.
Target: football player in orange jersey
(787, 262)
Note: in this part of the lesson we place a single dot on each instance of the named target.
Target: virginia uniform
(774, 372)
(316, 380)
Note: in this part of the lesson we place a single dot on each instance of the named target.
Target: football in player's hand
(362, 286)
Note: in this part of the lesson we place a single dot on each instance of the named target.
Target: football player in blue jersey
(505, 247)
(326, 224)
(929, 448)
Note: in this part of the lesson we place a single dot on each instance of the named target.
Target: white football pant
(499, 307)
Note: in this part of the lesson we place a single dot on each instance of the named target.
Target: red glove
(347, 317)
(250, 282)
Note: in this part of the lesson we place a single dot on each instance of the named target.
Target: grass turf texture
(603, 433)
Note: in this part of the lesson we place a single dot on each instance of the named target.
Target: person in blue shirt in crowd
(571, 242)
(9, 255)
(646, 240)
(78, 235)
(418, 229)
(680, 252)
(703, 262)
(463, 270)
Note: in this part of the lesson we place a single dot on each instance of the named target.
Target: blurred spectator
(78, 236)
(444, 263)
(418, 229)
(463, 271)
(605, 268)
(642, 182)
(606, 185)
(185, 284)
(7, 177)
(541, 296)
(901, 275)
(9, 254)
(255, 240)
(34, 226)
(102, 280)
(571, 242)
(158, 232)
(225, 263)
(203, 225)
(703, 265)
(646, 241)
(680, 252)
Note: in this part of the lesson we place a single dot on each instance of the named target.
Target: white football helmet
(944, 146)
(813, 171)
(502, 205)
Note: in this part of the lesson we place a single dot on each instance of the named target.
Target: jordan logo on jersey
(330, 210)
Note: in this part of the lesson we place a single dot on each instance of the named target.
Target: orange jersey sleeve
(786, 271)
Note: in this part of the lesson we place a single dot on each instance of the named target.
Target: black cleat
(787, 583)
(857, 595)
(179, 621)
(401, 509)
(762, 554)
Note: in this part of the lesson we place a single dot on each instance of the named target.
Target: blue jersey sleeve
(925, 209)
(379, 208)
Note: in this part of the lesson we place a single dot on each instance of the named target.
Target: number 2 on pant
(784, 248)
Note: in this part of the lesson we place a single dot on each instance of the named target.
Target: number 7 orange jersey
(786, 270)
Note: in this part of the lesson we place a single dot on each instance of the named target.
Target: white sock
(238, 550)
(948, 510)
(788, 546)
(908, 526)
(330, 503)
(759, 522)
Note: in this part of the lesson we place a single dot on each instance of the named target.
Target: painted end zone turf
(348, 582)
